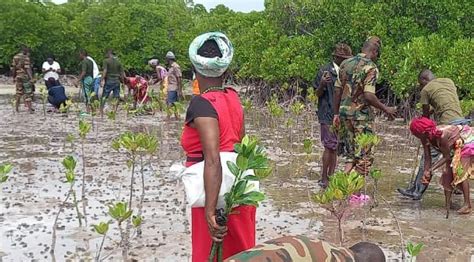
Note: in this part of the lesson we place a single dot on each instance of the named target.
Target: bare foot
(464, 210)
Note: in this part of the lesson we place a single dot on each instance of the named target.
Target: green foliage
(467, 106)
(135, 143)
(375, 174)
(84, 128)
(137, 221)
(274, 107)
(70, 164)
(366, 142)
(341, 187)
(119, 211)
(308, 145)
(414, 249)
(282, 46)
(4, 170)
(101, 228)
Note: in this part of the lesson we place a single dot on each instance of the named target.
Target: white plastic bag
(193, 180)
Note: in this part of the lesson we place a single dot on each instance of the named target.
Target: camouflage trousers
(24, 88)
(294, 248)
(347, 147)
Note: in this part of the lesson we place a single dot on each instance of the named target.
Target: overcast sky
(237, 5)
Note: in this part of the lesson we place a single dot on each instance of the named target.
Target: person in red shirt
(214, 123)
(138, 87)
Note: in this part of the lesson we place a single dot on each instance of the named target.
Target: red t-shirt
(225, 106)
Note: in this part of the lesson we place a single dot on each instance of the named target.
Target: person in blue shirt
(56, 93)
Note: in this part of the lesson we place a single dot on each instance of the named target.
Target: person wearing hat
(174, 79)
(324, 87)
(214, 124)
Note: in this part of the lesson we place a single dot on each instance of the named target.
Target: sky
(236, 5)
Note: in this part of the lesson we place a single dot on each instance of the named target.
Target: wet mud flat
(31, 197)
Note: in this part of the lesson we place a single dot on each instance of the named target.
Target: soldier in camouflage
(354, 98)
(23, 78)
(303, 249)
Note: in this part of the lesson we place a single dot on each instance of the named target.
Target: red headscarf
(423, 125)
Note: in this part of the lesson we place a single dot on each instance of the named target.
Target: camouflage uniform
(21, 64)
(356, 76)
(294, 248)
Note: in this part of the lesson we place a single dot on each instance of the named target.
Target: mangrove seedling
(250, 156)
(102, 228)
(69, 163)
(375, 174)
(414, 250)
(336, 196)
(274, 108)
(84, 129)
(5, 169)
(44, 98)
(120, 212)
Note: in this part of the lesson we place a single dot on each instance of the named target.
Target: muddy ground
(36, 144)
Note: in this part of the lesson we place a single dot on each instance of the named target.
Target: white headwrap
(211, 66)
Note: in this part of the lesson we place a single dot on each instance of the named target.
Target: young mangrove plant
(375, 174)
(414, 250)
(44, 98)
(84, 129)
(102, 228)
(69, 163)
(121, 212)
(251, 156)
(275, 110)
(336, 196)
(5, 169)
(136, 147)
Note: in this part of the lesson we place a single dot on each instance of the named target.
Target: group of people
(91, 79)
(346, 91)
(214, 123)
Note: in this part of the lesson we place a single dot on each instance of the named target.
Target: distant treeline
(282, 46)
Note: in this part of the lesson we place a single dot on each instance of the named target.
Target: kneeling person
(56, 93)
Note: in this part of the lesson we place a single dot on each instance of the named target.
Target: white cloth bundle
(193, 180)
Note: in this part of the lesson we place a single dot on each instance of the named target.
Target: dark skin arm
(208, 129)
(325, 80)
(337, 104)
(427, 154)
(375, 102)
(426, 111)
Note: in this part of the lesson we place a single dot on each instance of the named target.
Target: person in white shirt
(97, 77)
(51, 69)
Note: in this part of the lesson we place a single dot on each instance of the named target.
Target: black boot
(418, 193)
(406, 192)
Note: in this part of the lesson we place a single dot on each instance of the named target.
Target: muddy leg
(466, 209)
(447, 196)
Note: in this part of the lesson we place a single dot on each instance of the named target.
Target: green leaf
(3, 178)
(70, 176)
(137, 221)
(233, 168)
(69, 163)
(102, 228)
(5, 168)
(242, 162)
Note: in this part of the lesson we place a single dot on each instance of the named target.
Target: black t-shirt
(200, 107)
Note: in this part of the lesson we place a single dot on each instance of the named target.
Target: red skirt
(240, 233)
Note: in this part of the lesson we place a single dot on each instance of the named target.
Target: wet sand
(36, 144)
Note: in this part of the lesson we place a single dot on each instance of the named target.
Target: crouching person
(56, 93)
(303, 249)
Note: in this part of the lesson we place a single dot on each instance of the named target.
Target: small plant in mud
(247, 104)
(177, 109)
(336, 196)
(69, 163)
(102, 228)
(414, 250)
(44, 97)
(251, 156)
(84, 129)
(375, 174)
(274, 108)
(121, 212)
(5, 169)
(136, 146)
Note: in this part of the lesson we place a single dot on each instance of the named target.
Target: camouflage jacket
(21, 64)
(294, 248)
(357, 75)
